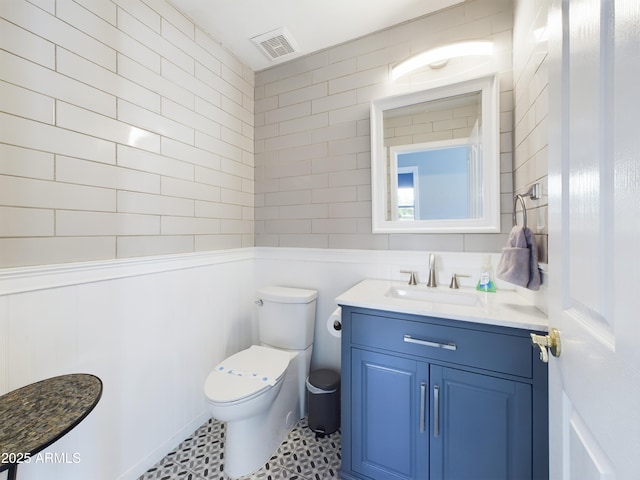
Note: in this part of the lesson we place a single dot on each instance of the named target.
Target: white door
(594, 237)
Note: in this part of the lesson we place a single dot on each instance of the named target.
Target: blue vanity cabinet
(435, 399)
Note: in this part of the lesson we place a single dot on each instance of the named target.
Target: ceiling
(312, 25)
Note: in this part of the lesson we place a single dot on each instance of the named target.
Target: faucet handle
(454, 280)
(413, 280)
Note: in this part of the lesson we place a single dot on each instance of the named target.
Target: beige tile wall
(530, 113)
(313, 183)
(124, 131)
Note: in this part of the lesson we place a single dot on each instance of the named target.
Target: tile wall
(125, 131)
(530, 112)
(313, 178)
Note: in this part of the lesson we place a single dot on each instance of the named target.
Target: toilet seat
(246, 374)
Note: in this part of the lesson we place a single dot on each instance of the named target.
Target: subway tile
(188, 117)
(59, 32)
(223, 149)
(187, 44)
(217, 115)
(237, 81)
(153, 122)
(333, 226)
(313, 211)
(144, 203)
(89, 73)
(169, 13)
(153, 81)
(217, 210)
(299, 240)
(302, 182)
(187, 154)
(21, 252)
(89, 123)
(288, 113)
(334, 194)
(365, 241)
(292, 140)
(217, 178)
(83, 172)
(26, 45)
(334, 70)
(218, 242)
(289, 226)
(26, 192)
(236, 198)
(144, 161)
(218, 51)
(76, 223)
(105, 10)
(240, 140)
(26, 133)
(184, 189)
(288, 84)
(357, 80)
(152, 39)
(318, 90)
(189, 226)
(142, 13)
(235, 226)
(358, 209)
(26, 103)
(26, 222)
(311, 122)
(47, 82)
(185, 80)
(25, 162)
(139, 246)
(298, 197)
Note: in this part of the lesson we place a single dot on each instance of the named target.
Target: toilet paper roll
(334, 323)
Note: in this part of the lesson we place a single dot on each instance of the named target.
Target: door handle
(551, 341)
(436, 411)
(423, 407)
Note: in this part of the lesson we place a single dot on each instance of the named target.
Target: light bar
(442, 54)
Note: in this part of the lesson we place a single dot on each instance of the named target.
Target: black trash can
(323, 393)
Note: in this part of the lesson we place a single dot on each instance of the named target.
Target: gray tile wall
(125, 131)
(531, 87)
(313, 180)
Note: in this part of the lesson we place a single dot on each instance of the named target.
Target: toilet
(260, 391)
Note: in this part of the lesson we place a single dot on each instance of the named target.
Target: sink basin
(452, 297)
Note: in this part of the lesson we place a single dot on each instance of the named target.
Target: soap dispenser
(486, 283)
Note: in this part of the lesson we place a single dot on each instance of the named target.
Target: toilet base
(252, 441)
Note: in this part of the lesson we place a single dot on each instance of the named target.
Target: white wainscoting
(152, 329)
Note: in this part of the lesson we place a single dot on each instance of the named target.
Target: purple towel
(519, 261)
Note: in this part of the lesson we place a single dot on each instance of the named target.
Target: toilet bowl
(260, 391)
(246, 383)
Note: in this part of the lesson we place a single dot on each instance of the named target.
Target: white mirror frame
(490, 136)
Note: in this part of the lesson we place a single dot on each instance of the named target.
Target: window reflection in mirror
(437, 163)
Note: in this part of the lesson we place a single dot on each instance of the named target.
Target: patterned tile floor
(301, 456)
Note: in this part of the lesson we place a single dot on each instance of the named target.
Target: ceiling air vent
(276, 44)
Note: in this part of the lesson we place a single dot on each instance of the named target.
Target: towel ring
(534, 194)
(524, 210)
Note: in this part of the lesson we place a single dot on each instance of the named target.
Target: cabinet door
(389, 416)
(481, 426)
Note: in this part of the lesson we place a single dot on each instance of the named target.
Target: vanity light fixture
(437, 57)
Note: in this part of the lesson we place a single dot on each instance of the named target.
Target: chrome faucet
(432, 271)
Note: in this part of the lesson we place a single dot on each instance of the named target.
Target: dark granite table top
(35, 416)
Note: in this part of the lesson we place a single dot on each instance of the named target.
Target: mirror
(435, 163)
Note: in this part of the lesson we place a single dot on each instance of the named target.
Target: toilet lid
(246, 374)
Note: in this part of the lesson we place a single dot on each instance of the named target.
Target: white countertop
(505, 308)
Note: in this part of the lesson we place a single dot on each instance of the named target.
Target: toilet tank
(286, 317)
